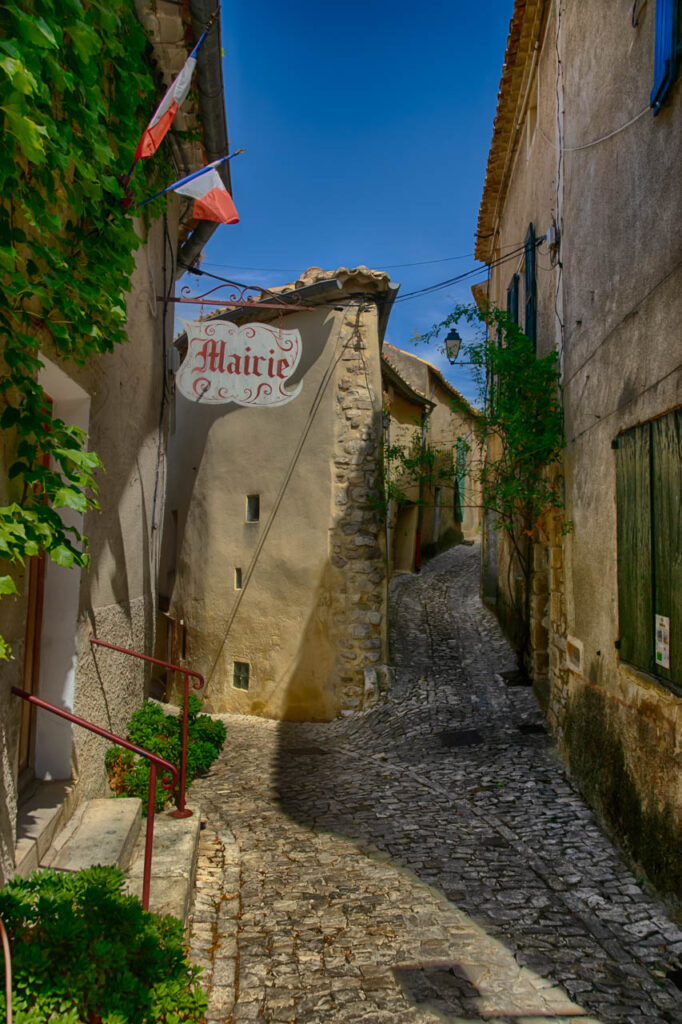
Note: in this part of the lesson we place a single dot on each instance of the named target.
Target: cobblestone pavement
(426, 861)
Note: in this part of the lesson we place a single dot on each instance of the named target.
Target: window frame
(238, 673)
(648, 479)
(667, 51)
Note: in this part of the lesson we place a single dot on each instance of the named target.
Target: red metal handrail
(182, 811)
(168, 780)
(8, 972)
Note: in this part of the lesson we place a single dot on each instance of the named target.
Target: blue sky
(367, 128)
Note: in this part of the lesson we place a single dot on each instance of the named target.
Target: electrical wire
(384, 266)
(595, 142)
(484, 268)
(317, 399)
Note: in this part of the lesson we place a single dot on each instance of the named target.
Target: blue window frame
(530, 325)
(513, 298)
(668, 49)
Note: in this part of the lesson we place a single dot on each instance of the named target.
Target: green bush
(85, 953)
(161, 734)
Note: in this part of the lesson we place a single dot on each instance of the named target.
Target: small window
(240, 677)
(237, 579)
(252, 508)
(668, 50)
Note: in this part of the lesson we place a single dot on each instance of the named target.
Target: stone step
(102, 832)
(41, 816)
(174, 860)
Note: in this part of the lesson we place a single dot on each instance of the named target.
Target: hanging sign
(248, 365)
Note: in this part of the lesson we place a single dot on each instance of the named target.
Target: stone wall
(356, 537)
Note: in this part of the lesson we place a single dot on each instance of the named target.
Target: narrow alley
(424, 861)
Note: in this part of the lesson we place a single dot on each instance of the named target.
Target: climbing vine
(410, 468)
(521, 432)
(76, 90)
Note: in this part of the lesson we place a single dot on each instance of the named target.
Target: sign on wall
(248, 365)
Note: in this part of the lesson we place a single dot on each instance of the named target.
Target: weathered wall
(620, 728)
(611, 305)
(117, 397)
(311, 612)
(449, 419)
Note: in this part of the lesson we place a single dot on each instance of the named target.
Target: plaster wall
(447, 420)
(117, 398)
(621, 257)
(311, 612)
(612, 307)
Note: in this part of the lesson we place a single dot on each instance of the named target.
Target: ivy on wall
(76, 90)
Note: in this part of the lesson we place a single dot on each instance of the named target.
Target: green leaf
(62, 556)
(28, 133)
(66, 497)
(7, 585)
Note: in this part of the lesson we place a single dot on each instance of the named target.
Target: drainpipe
(420, 505)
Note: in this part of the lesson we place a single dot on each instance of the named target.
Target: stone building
(47, 766)
(449, 509)
(274, 572)
(580, 219)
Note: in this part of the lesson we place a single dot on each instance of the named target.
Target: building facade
(580, 221)
(449, 510)
(274, 574)
(48, 766)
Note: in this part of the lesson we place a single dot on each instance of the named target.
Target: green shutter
(666, 437)
(635, 611)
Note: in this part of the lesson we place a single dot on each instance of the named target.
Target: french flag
(212, 201)
(157, 128)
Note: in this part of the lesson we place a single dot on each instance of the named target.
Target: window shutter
(513, 298)
(635, 609)
(666, 440)
(666, 50)
(530, 327)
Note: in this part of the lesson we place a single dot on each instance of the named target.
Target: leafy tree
(522, 437)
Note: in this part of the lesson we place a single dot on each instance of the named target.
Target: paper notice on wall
(663, 641)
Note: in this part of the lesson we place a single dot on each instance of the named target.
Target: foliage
(521, 424)
(413, 466)
(75, 94)
(161, 734)
(521, 430)
(85, 953)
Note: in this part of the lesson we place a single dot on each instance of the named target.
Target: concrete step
(41, 816)
(102, 832)
(174, 860)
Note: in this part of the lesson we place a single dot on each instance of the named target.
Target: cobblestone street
(424, 861)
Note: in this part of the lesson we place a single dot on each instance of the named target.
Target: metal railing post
(182, 810)
(8, 972)
(149, 837)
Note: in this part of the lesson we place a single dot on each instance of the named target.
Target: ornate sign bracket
(240, 295)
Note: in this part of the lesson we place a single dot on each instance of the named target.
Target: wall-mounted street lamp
(452, 343)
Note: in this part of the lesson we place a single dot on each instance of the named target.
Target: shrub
(83, 952)
(161, 734)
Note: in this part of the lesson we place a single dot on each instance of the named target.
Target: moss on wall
(650, 835)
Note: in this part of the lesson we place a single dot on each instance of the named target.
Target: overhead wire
(485, 267)
(427, 290)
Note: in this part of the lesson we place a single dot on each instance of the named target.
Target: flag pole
(191, 177)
